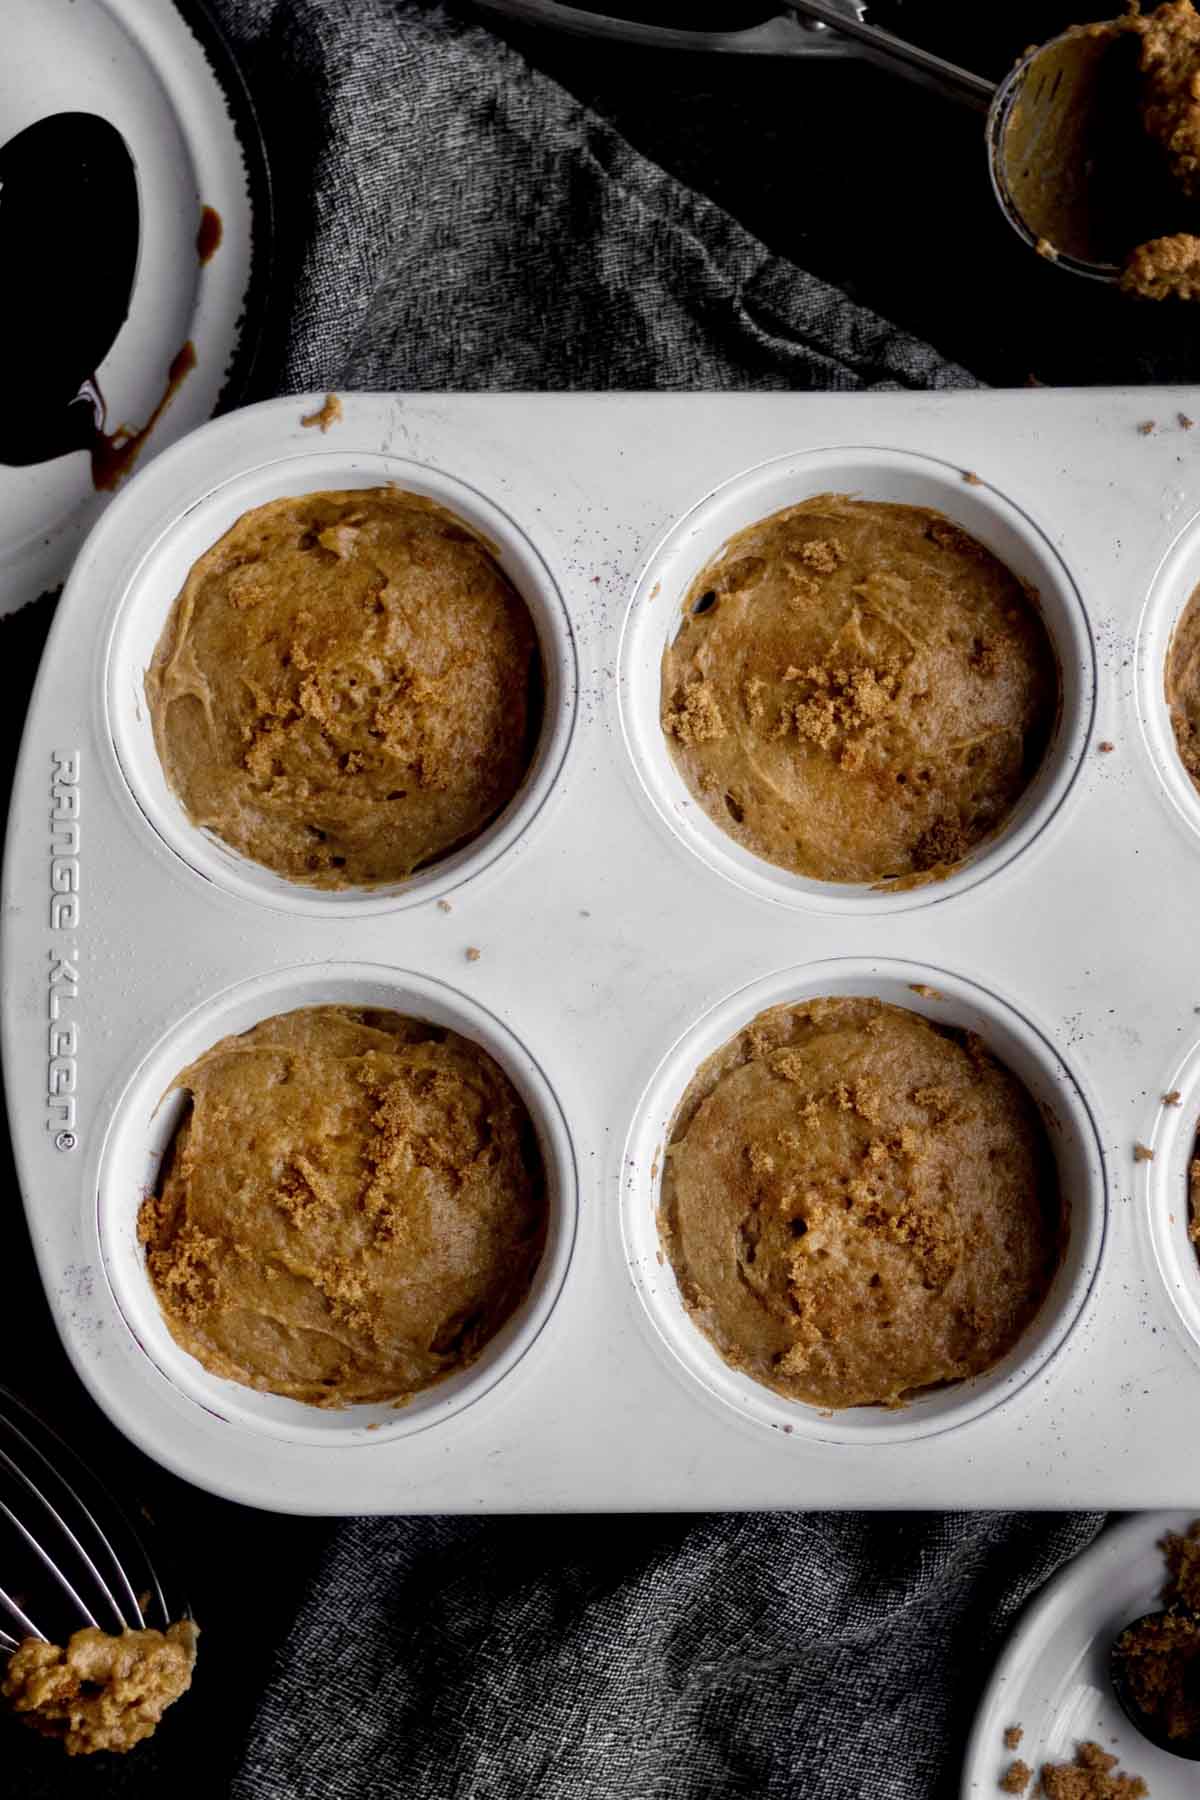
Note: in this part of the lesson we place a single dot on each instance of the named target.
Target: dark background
(878, 187)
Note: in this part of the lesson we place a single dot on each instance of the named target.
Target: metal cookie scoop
(1150, 1728)
(1068, 158)
(69, 1557)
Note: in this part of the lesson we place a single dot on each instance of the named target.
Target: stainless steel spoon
(1187, 1748)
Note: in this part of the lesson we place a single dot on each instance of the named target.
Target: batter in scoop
(352, 1206)
(859, 1204)
(100, 1692)
(348, 687)
(859, 691)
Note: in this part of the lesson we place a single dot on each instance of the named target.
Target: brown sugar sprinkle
(1174, 1098)
(327, 414)
(695, 718)
(1092, 1776)
(473, 955)
(1106, 746)
(931, 993)
(971, 478)
(1185, 424)
(1146, 427)
(823, 554)
(445, 906)
(1142, 1153)
(1181, 1551)
(1013, 1736)
(1016, 1777)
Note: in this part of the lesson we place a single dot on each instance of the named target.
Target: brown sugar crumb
(1161, 1652)
(930, 993)
(1092, 1776)
(1106, 747)
(844, 701)
(445, 906)
(695, 718)
(473, 954)
(327, 414)
(1142, 1153)
(1013, 1736)
(971, 478)
(1147, 428)
(1174, 1098)
(1161, 1657)
(823, 554)
(1185, 424)
(1016, 1777)
(1046, 249)
(1182, 1553)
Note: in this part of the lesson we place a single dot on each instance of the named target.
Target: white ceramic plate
(1052, 1680)
(159, 73)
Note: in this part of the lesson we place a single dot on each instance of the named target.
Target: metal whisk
(69, 1555)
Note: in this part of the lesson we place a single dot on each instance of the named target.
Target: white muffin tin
(622, 938)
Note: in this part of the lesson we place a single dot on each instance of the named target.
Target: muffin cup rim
(125, 728)
(131, 1134)
(946, 1409)
(656, 598)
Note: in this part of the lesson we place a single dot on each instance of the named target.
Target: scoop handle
(908, 59)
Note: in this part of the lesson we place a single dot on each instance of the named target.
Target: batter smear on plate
(859, 692)
(859, 1204)
(348, 687)
(352, 1206)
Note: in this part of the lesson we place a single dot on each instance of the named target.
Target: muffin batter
(858, 1204)
(347, 688)
(101, 1692)
(859, 691)
(352, 1206)
(1182, 686)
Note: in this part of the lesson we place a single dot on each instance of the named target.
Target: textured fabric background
(449, 218)
(833, 1656)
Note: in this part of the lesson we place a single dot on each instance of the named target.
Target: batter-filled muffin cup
(348, 688)
(351, 1207)
(861, 692)
(859, 1204)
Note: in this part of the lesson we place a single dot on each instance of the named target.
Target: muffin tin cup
(1175, 580)
(146, 1118)
(655, 616)
(146, 605)
(1022, 1048)
(1164, 1197)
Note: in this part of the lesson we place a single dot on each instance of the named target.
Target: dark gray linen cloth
(449, 218)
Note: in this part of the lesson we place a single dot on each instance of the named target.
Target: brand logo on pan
(62, 1074)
